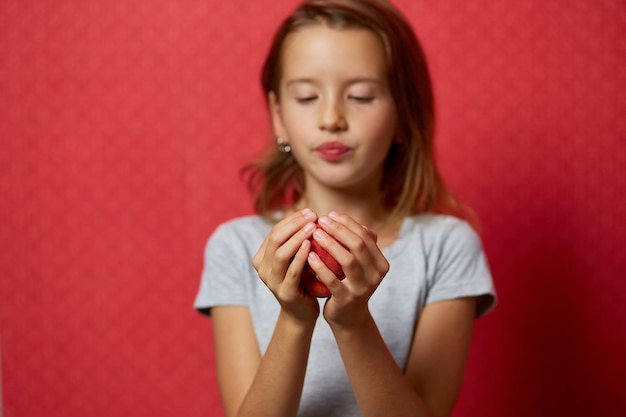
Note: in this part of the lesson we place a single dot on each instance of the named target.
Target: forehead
(320, 51)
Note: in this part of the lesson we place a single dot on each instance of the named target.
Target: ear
(277, 119)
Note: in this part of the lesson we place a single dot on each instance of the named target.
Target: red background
(122, 128)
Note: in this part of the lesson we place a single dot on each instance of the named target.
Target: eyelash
(359, 99)
(305, 100)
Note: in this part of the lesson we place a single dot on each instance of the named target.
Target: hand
(354, 247)
(281, 259)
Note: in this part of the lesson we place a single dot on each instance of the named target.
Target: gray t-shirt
(435, 257)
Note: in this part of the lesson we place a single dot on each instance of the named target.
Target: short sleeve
(461, 269)
(223, 277)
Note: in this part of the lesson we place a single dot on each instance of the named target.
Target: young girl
(353, 170)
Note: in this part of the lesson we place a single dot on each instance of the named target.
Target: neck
(364, 207)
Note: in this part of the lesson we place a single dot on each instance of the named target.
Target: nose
(332, 118)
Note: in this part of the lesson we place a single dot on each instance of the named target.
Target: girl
(353, 170)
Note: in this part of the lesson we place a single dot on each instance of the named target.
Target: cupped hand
(280, 261)
(354, 247)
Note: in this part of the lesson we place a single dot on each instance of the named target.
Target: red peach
(309, 282)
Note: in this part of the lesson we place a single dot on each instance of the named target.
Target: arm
(438, 356)
(258, 385)
(430, 384)
(251, 385)
(237, 354)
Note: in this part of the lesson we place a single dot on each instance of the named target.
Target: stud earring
(282, 146)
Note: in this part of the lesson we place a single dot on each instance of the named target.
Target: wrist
(351, 322)
(296, 324)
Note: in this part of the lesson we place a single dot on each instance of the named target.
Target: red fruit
(309, 282)
(311, 285)
(328, 260)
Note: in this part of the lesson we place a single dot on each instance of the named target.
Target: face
(335, 108)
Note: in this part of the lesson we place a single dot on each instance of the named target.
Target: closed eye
(362, 99)
(305, 100)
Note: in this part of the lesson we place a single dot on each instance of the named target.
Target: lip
(332, 151)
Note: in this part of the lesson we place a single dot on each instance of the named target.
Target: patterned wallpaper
(122, 129)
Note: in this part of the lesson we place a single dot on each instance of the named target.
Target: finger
(279, 261)
(294, 272)
(358, 251)
(285, 253)
(285, 228)
(269, 268)
(372, 233)
(280, 233)
(355, 227)
(348, 258)
(351, 234)
(325, 275)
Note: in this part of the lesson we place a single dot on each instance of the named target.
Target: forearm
(277, 385)
(380, 387)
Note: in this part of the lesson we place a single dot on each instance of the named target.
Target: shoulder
(456, 262)
(427, 238)
(241, 232)
(445, 242)
(245, 226)
(434, 229)
(437, 222)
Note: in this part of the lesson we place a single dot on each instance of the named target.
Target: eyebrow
(356, 80)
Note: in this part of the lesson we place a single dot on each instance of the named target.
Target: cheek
(384, 130)
(383, 135)
(380, 153)
(295, 122)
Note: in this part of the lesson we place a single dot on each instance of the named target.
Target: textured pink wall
(122, 128)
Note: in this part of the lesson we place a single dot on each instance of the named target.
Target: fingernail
(324, 220)
(309, 227)
(320, 234)
(308, 214)
(313, 257)
(333, 214)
